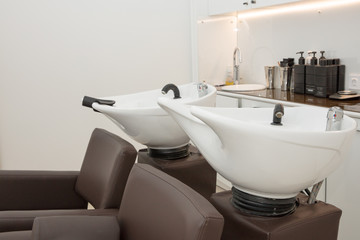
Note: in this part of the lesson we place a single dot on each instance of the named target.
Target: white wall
(215, 41)
(267, 39)
(52, 53)
(215, 54)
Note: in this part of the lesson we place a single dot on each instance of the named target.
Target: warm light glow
(216, 19)
(296, 8)
(232, 20)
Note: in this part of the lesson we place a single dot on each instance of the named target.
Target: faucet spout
(237, 58)
(172, 87)
(278, 114)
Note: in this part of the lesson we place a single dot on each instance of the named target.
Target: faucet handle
(334, 119)
(202, 88)
(335, 113)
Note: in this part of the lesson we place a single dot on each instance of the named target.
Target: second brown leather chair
(100, 182)
(155, 206)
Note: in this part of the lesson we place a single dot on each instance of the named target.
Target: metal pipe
(314, 192)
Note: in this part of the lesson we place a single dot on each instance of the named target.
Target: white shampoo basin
(262, 159)
(140, 117)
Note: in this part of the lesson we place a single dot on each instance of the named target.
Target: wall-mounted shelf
(217, 7)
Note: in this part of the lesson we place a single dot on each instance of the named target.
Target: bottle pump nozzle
(322, 55)
(313, 59)
(301, 60)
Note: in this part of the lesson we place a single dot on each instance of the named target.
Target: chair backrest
(105, 169)
(156, 206)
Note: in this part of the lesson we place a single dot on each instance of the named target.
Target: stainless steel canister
(284, 78)
(269, 76)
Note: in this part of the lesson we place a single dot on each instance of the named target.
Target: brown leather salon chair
(101, 181)
(155, 206)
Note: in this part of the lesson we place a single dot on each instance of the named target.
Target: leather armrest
(76, 227)
(38, 190)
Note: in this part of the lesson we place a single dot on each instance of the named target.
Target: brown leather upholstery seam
(113, 179)
(203, 227)
(179, 190)
(49, 174)
(15, 218)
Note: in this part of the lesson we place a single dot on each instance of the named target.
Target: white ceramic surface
(262, 159)
(140, 117)
(243, 87)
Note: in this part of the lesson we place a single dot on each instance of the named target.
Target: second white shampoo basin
(141, 118)
(262, 159)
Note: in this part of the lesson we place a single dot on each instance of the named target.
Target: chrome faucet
(237, 58)
(334, 119)
(202, 89)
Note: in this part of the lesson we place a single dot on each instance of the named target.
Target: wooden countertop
(351, 106)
